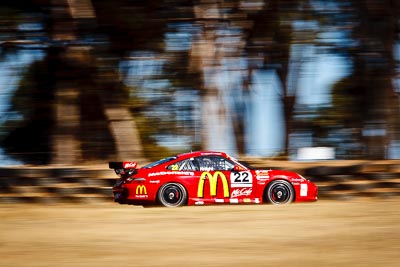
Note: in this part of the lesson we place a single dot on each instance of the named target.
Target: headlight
(303, 177)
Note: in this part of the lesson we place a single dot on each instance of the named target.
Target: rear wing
(123, 168)
(122, 165)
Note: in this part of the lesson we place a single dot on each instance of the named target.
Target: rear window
(161, 161)
(184, 165)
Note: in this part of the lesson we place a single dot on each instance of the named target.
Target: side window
(205, 163)
(224, 164)
(184, 165)
(214, 163)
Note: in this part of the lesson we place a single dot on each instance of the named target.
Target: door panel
(213, 185)
(241, 184)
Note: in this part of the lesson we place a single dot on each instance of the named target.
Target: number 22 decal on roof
(241, 179)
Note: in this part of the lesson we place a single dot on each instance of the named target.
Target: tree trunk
(66, 148)
(125, 133)
(206, 60)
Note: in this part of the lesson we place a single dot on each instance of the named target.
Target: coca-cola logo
(241, 192)
(130, 165)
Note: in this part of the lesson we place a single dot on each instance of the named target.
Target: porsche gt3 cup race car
(201, 178)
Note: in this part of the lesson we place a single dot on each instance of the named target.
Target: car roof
(202, 153)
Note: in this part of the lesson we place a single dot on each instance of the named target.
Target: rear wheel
(172, 195)
(279, 192)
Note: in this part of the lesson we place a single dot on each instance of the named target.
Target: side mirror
(236, 168)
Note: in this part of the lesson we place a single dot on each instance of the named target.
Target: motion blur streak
(88, 81)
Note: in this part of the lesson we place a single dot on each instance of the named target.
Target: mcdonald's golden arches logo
(213, 180)
(141, 190)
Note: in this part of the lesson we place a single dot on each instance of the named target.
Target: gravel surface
(362, 232)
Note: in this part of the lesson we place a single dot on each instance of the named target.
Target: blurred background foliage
(86, 81)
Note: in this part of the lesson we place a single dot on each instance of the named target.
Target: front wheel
(279, 192)
(172, 195)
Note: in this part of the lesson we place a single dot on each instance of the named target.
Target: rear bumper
(120, 194)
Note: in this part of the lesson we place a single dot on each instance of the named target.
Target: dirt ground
(326, 233)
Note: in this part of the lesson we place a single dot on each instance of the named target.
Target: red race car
(200, 178)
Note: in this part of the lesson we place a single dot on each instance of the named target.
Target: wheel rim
(280, 193)
(172, 195)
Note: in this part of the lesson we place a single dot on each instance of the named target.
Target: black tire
(279, 192)
(172, 195)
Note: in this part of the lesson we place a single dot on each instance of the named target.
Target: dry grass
(326, 233)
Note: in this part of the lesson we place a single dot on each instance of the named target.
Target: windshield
(161, 161)
(245, 164)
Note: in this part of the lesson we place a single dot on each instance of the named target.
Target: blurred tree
(366, 102)
(27, 138)
(75, 102)
(209, 52)
(70, 124)
(271, 37)
(136, 31)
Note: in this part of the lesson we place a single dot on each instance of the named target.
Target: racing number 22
(241, 177)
